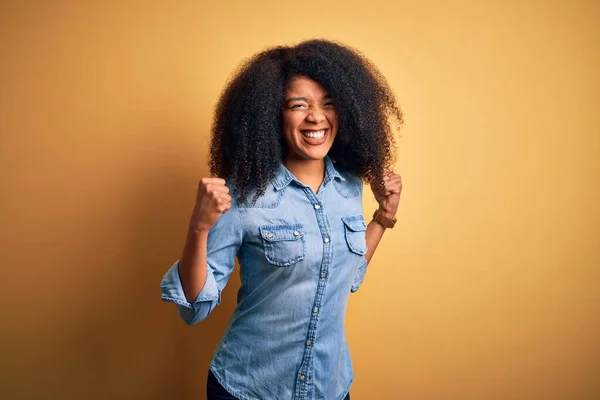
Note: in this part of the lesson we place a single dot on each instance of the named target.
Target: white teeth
(314, 134)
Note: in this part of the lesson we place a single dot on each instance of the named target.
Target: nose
(315, 115)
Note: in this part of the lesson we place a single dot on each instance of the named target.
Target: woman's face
(309, 120)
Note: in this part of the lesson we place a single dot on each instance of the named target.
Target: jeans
(214, 390)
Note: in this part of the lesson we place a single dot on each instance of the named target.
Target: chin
(314, 154)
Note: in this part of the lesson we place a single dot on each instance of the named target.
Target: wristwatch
(383, 220)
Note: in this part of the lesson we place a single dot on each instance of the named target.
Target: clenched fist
(388, 195)
(212, 200)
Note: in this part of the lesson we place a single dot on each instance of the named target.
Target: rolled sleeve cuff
(172, 289)
(360, 276)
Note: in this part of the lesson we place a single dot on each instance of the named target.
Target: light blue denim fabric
(300, 256)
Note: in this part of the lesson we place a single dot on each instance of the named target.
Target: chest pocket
(283, 244)
(355, 230)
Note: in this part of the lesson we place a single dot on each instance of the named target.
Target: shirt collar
(283, 177)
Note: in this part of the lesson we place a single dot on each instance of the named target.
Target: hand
(388, 195)
(212, 200)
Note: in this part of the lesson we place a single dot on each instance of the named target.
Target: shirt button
(326, 240)
(270, 235)
(302, 377)
(316, 309)
(296, 233)
(317, 206)
(308, 342)
(323, 274)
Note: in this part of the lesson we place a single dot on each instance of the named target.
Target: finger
(213, 188)
(222, 199)
(223, 207)
(393, 189)
(397, 186)
(220, 190)
(218, 200)
(393, 176)
(216, 181)
(393, 183)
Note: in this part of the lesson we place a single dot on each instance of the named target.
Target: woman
(296, 132)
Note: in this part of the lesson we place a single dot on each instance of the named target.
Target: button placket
(303, 376)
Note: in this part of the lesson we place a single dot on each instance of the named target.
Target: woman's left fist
(388, 195)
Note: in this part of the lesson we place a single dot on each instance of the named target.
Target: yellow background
(487, 289)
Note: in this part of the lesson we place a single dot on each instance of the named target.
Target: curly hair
(247, 145)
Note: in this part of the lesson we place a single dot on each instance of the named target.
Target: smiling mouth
(314, 134)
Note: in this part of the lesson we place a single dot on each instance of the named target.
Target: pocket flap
(355, 223)
(275, 233)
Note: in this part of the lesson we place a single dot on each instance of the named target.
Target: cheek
(290, 122)
(334, 125)
(333, 119)
(289, 129)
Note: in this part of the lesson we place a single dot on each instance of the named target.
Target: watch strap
(383, 220)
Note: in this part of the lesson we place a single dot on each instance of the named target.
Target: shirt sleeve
(360, 276)
(224, 241)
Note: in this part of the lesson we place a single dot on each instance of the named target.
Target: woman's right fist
(212, 200)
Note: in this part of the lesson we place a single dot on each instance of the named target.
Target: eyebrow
(326, 97)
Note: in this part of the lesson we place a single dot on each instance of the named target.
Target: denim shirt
(301, 254)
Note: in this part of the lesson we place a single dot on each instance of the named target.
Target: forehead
(305, 87)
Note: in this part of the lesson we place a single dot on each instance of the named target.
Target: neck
(309, 172)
